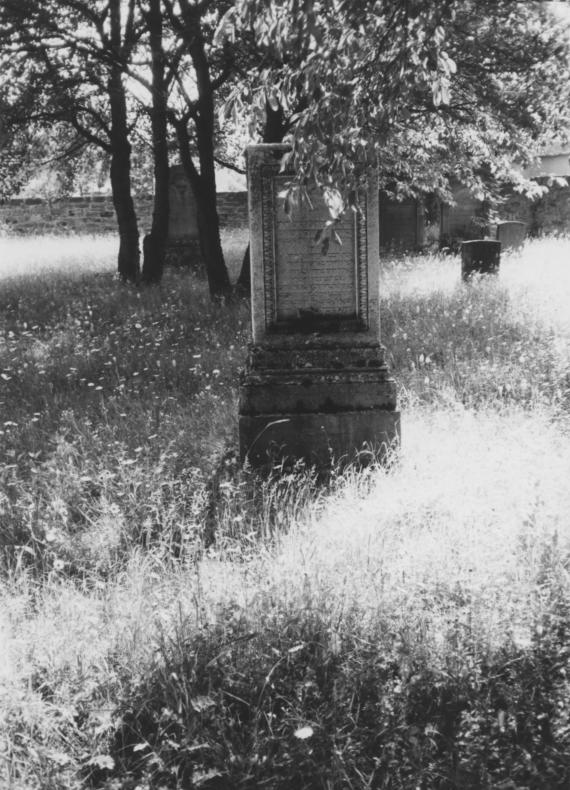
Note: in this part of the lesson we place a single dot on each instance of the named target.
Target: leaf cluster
(425, 91)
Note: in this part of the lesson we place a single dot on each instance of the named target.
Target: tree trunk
(207, 214)
(204, 182)
(276, 126)
(154, 245)
(210, 242)
(129, 255)
(206, 197)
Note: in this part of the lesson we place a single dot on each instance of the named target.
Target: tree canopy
(429, 91)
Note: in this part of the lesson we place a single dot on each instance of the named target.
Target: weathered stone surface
(511, 234)
(308, 283)
(283, 250)
(481, 256)
(182, 221)
(311, 391)
(185, 253)
(319, 439)
(316, 385)
(322, 353)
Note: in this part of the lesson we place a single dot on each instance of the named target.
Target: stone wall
(402, 224)
(95, 214)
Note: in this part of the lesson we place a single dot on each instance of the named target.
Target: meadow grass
(167, 621)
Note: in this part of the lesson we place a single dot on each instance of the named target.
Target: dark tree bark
(276, 126)
(203, 182)
(129, 255)
(204, 189)
(154, 245)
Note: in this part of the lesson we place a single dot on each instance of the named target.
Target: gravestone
(511, 234)
(316, 385)
(480, 256)
(183, 244)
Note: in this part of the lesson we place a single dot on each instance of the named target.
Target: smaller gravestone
(511, 234)
(481, 256)
(183, 245)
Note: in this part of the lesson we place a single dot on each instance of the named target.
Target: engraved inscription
(308, 282)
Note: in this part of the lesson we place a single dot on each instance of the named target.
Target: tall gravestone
(183, 244)
(316, 385)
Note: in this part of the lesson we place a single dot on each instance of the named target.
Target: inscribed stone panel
(308, 281)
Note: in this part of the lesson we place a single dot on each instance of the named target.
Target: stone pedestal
(511, 234)
(183, 245)
(316, 386)
(480, 257)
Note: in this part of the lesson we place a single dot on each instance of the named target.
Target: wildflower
(303, 733)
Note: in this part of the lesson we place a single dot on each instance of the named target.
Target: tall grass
(168, 622)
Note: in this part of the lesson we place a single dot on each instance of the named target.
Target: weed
(168, 620)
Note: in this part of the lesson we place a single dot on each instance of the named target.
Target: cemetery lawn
(167, 622)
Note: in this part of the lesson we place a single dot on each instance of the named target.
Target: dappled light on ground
(151, 589)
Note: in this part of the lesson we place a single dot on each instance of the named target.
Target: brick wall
(95, 214)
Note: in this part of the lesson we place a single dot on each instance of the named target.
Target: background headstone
(511, 234)
(481, 256)
(183, 245)
(316, 386)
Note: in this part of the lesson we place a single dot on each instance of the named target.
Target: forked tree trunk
(129, 255)
(154, 245)
(204, 188)
(204, 182)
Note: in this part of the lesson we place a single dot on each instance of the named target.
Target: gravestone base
(185, 254)
(324, 405)
(322, 440)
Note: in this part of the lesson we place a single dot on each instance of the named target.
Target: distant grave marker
(511, 234)
(481, 256)
(316, 386)
(183, 244)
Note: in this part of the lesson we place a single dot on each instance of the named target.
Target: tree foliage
(429, 91)
(66, 57)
